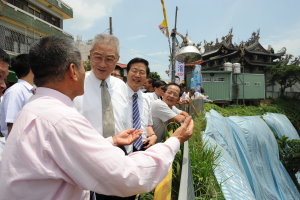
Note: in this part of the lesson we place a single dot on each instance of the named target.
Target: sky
(135, 23)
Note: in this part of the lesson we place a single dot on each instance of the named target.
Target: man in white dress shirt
(17, 95)
(158, 86)
(137, 72)
(104, 56)
(164, 111)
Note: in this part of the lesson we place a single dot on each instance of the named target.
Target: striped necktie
(107, 112)
(136, 120)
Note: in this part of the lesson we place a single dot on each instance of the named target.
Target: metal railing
(186, 188)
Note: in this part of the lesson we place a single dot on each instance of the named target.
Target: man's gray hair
(107, 39)
(51, 57)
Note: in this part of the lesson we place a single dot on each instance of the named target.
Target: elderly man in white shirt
(137, 72)
(104, 56)
(17, 95)
(104, 102)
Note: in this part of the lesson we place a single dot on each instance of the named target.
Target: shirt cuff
(109, 139)
(174, 143)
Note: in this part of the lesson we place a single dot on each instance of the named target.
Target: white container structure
(228, 66)
(236, 68)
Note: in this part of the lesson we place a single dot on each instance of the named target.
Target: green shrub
(203, 163)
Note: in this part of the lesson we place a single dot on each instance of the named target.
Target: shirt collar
(43, 91)
(108, 79)
(28, 86)
(131, 92)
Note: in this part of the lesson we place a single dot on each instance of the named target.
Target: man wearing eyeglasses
(4, 63)
(104, 102)
(104, 56)
(165, 112)
(140, 105)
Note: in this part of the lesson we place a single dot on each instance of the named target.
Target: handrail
(186, 188)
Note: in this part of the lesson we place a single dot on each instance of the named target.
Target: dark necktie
(136, 121)
(107, 112)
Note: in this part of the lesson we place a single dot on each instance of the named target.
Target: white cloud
(159, 53)
(292, 45)
(160, 69)
(136, 37)
(289, 39)
(87, 13)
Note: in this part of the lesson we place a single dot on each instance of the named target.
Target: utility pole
(110, 26)
(173, 52)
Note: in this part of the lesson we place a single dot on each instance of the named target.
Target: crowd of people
(72, 134)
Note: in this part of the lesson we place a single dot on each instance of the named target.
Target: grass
(291, 108)
(203, 158)
(203, 161)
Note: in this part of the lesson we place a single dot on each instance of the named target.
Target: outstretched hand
(185, 131)
(126, 137)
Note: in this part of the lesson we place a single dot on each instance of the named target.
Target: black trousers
(104, 197)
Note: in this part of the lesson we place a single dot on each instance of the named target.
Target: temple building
(252, 56)
(252, 60)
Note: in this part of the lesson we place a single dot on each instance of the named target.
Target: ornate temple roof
(251, 46)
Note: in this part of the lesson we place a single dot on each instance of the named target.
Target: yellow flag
(163, 189)
(164, 25)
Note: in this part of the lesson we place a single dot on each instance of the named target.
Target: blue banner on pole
(196, 78)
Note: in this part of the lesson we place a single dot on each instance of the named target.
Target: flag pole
(173, 36)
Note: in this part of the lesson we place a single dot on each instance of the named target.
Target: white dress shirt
(90, 106)
(144, 104)
(161, 113)
(195, 96)
(152, 96)
(13, 101)
(53, 153)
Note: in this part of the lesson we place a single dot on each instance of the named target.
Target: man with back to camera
(164, 111)
(53, 152)
(17, 95)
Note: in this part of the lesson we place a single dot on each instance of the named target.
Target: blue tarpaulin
(249, 165)
(281, 125)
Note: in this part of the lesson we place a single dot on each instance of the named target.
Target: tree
(87, 65)
(286, 76)
(154, 75)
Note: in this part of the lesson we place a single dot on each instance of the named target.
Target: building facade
(22, 22)
(250, 55)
